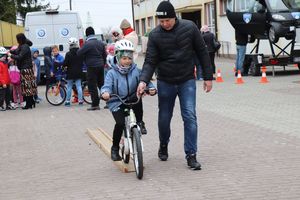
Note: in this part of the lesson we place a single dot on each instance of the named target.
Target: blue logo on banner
(247, 17)
(64, 32)
(41, 33)
(296, 15)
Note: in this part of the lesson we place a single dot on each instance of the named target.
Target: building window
(210, 16)
(244, 5)
(143, 26)
(137, 27)
(150, 22)
(224, 5)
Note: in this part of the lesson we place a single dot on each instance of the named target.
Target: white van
(52, 27)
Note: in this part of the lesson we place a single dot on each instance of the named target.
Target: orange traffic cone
(239, 79)
(263, 76)
(219, 77)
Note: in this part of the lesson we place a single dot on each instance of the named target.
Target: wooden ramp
(104, 141)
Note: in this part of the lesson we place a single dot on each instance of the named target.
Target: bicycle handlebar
(126, 103)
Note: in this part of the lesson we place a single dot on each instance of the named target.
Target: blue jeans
(167, 94)
(78, 88)
(240, 57)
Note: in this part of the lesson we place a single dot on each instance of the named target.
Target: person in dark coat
(24, 62)
(171, 48)
(48, 64)
(94, 56)
(73, 66)
(209, 39)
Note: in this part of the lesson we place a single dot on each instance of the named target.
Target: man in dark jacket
(241, 45)
(94, 55)
(170, 51)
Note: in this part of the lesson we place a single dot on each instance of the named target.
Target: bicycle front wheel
(137, 153)
(55, 94)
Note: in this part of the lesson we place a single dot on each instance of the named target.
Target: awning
(191, 8)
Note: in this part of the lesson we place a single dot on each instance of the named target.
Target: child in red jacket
(4, 77)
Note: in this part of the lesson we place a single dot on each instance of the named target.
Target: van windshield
(284, 5)
(292, 4)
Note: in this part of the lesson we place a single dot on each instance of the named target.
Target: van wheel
(254, 69)
(272, 35)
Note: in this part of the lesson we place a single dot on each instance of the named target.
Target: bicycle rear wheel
(85, 93)
(55, 94)
(137, 153)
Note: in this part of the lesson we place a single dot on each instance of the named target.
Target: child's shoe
(75, 100)
(115, 156)
(142, 127)
(9, 107)
(80, 103)
(2, 108)
(67, 103)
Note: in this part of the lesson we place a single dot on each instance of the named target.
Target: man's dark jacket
(172, 53)
(93, 52)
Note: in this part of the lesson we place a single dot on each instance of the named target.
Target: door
(39, 29)
(247, 16)
(193, 16)
(65, 25)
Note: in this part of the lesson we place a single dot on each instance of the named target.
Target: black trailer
(267, 20)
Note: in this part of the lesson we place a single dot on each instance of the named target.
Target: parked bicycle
(56, 93)
(132, 145)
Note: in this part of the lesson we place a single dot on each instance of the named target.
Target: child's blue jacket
(124, 85)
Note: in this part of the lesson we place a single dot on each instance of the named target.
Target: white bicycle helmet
(3, 51)
(124, 45)
(123, 48)
(73, 42)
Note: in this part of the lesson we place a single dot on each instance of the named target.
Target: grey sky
(104, 13)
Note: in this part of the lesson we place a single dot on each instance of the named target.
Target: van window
(277, 5)
(293, 4)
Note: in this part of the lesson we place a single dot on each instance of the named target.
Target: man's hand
(105, 96)
(207, 86)
(141, 88)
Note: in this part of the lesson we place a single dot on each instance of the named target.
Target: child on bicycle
(123, 80)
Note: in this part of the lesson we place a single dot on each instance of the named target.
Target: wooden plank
(104, 142)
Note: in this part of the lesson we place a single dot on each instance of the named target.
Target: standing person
(37, 67)
(15, 81)
(116, 34)
(241, 45)
(94, 56)
(73, 65)
(24, 62)
(58, 60)
(130, 34)
(122, 80)
(171, 48)
(4, 79)
(48, 63)
(209, 39)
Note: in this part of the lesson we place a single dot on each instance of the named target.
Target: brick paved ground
(249, 148)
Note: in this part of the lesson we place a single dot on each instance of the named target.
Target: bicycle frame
(130, 122)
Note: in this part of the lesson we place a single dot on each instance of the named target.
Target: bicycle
(56, 93)
(132, 145)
